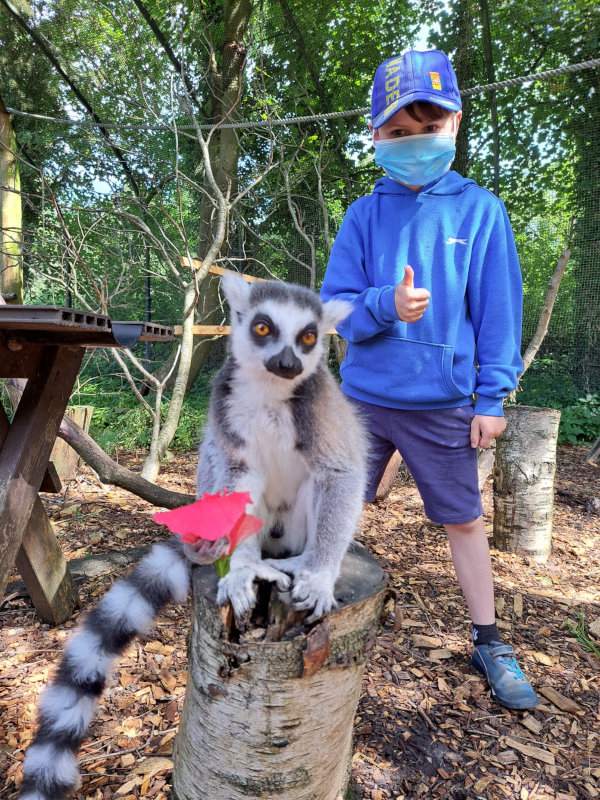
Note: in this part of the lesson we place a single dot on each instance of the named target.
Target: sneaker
(498, 663)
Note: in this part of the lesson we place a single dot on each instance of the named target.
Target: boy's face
(402, 124)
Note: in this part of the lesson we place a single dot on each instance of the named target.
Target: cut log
(269, 713)
(524, 481)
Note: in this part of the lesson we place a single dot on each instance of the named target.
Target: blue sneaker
(498, 663)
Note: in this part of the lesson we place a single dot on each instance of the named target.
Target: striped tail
(129, 608)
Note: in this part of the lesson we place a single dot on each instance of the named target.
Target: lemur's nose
(286, 364)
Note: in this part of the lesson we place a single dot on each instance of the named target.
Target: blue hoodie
(457, 238)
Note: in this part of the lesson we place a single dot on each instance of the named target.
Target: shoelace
(514, 668)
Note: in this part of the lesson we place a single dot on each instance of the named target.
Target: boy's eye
(262, 329)
(308, 338)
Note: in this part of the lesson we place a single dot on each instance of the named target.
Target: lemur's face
(285, 338)
(279, 329)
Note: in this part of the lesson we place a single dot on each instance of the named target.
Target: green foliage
(548, 384)
(582, 636)
(128, 426)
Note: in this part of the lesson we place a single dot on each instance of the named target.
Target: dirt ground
(425, 726)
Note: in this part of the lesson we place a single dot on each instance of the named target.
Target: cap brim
(406, 100)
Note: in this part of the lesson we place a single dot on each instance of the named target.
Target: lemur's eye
(262, 329)
(310, 337)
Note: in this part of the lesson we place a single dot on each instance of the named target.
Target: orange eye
(262, 329)
(310, 337)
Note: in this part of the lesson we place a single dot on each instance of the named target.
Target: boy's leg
(437, 449)
(376, 420)
(473, 567)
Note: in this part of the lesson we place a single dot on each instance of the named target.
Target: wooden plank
(25, 453)
(205, 330)
(44, 569)
(194, 263)
(16, 359)
(214, 330)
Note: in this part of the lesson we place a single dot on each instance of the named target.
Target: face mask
(416, 160)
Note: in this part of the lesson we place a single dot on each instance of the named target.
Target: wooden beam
(194, 263)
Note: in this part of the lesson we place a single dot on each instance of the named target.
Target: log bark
(110, 472)
(524, 481)
(269, 713)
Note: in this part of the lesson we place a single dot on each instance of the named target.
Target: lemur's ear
(236, 290)
(335, 311)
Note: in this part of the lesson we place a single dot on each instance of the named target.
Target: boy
(429, 262)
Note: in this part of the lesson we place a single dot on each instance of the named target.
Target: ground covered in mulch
(425, 726)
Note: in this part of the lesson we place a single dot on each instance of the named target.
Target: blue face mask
(416, 160)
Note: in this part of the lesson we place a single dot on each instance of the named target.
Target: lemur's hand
(312, 589)
(238, 586)
(410, 302)
(204, 552)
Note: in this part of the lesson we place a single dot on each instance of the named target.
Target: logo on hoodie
(452, 240)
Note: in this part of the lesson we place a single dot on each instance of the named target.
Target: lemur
(279, 428)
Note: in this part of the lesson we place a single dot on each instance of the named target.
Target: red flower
(212, 517)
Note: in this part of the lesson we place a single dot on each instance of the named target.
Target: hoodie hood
(449, 184)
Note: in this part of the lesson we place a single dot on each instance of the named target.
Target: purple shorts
(436, 447)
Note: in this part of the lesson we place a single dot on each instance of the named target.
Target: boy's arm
(495, 291)
(346, 278)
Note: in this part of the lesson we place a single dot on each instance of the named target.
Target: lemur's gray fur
(278, 428)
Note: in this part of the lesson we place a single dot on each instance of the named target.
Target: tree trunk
(524, 481)
(227, 89)
(11, 270)
(270, 714)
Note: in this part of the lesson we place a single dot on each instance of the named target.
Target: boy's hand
(410, 302)
(484, 429)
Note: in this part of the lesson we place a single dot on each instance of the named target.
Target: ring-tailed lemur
(279, 428)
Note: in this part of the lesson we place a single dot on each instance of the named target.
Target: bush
(548, 384)
(119, 422)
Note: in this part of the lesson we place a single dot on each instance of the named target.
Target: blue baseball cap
(425, 75)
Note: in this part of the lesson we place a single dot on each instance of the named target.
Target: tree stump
(524, 481)
(269, 712)
(65, 459)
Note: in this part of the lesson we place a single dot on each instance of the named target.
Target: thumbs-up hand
(410, 302)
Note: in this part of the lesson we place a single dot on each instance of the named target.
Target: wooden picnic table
(45, 345)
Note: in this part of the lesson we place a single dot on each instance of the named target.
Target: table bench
(44, 345)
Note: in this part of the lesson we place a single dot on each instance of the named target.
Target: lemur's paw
(292, 565)
(204, 552)
(238, 586)
(313, 590)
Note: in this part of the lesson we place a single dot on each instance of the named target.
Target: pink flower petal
(210, 517)
(246, 526)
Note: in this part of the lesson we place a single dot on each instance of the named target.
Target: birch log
(524, 481)
(269, 713)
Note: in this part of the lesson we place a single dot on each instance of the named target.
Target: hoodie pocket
(403, 370)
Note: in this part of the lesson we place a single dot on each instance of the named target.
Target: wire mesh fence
(113, 197)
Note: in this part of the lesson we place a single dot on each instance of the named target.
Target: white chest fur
(267, 427)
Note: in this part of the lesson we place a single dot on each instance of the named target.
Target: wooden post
(524, 481)
(64, 458)
(270, 713)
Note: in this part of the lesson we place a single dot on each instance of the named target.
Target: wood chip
(559, 700)
(150, 766)
(532, 724)
(518, 605)
(529, 750)
(441, 653)
(418, 640)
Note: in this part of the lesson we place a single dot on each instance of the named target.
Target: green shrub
(548, 384)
